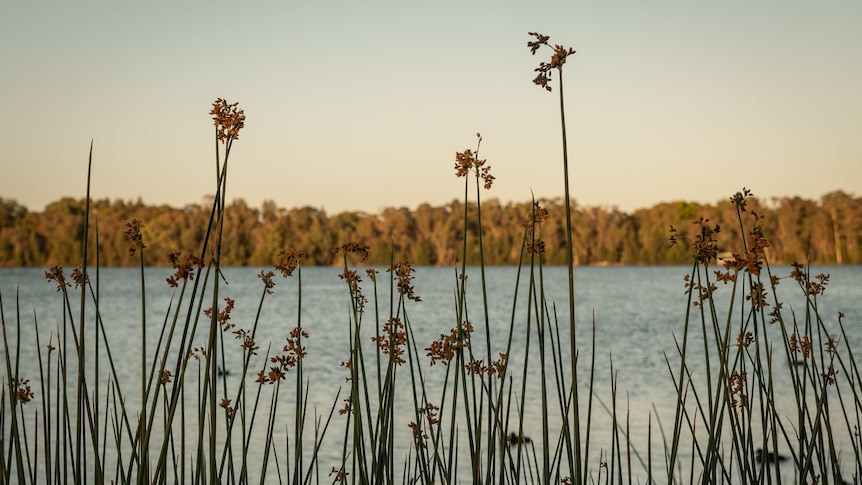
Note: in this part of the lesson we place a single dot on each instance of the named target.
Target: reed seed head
(223, 317)
(55, 273)
(392, 340)
(340, 473)
(704, 246)
(247, 342)
(294, 346)
(185, 270)
(22, 390)
(225, 404)
(558, 58)
(536, 246)
(346, 408)
(404, 276)
(133, 234)
(829, 375)
(355, 248)
(736, 383)
(79, 277)
(801, 345)
(228, 120)
(353, 279)
(468, 161)
(268, 283)
(798, 273)
(775, 313)
(372, 274)
(463, 162)
(198, 352)
(417, 433)
(537, 216)
(831, 345)
(739, 199)
(445, 348)
(757, 296)
(288, 260)
(818, 287)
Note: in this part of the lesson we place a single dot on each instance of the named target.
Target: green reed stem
(81, 347)
(570, 262)
(12, 379)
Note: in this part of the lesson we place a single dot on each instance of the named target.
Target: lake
(637, 312)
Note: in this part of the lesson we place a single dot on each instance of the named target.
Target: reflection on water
(637, 313)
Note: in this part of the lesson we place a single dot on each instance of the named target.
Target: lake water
(637, 311)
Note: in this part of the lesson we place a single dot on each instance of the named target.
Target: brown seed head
(79, 277)
(225, 403)
(55, 273)
(738, 199)
(340, 473)
(268, 283)
(468, 161)
(133, 234)
(353, 279)
(829, 375)
(228, 120)
(23, 392)
(185, 270)
(354, 247)
(464, 162)
(404, 276)
(288, 260)
(392, 340)
(558, 58)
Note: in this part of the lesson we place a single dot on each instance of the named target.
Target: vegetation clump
(186, 424)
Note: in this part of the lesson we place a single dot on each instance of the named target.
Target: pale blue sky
(362, 105)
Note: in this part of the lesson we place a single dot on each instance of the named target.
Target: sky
(362, 105)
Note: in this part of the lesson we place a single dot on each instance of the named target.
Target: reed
(464, 393)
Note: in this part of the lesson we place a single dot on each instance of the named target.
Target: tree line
(824, 231)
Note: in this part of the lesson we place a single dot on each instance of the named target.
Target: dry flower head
(268, 283)
(228, 120)
(79, 277)
(133, 234)
(225, 404)
(354, 247)
(223, 317)
(22, 390)
(55, 273)
(558, 58)
(184, 269)
(468, 161)
(446, 347)
(403, 271)
(392, 340)
(288, 260)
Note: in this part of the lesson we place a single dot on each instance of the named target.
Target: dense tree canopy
(828, 230)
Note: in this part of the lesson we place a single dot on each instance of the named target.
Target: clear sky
(362, 105)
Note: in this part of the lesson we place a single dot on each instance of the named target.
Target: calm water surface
(637, 311)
